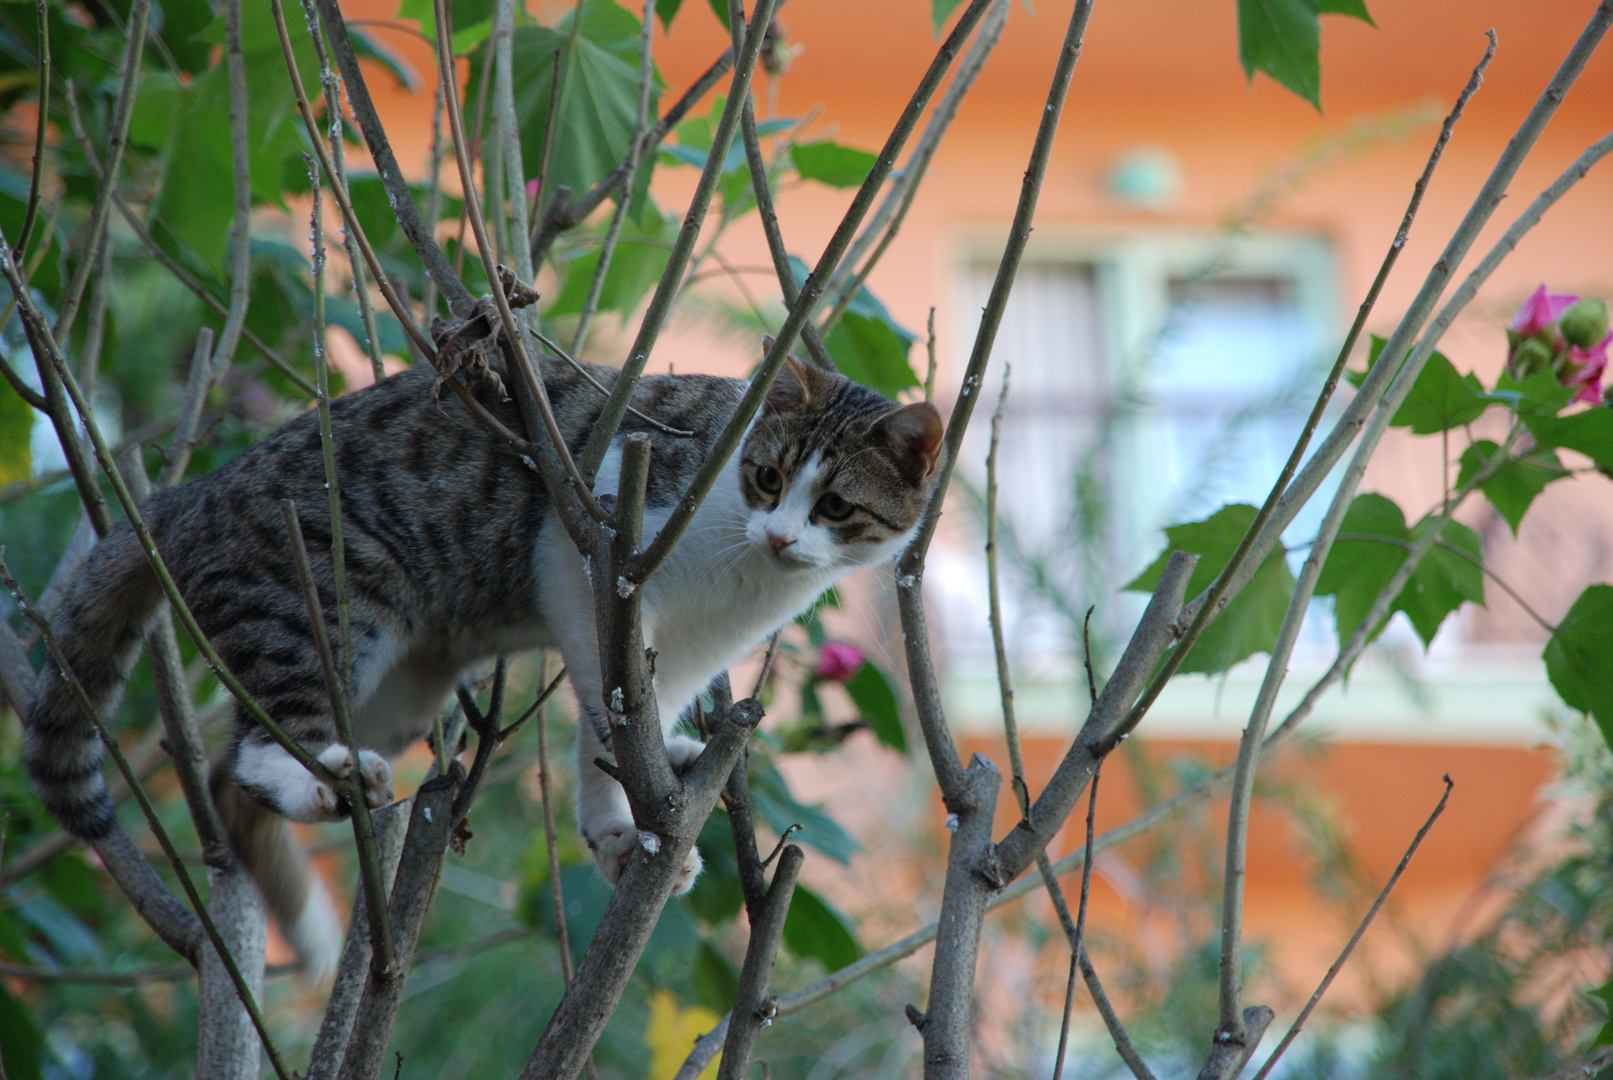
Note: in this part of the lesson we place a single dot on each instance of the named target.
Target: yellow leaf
(672, 1033)
(16, 432)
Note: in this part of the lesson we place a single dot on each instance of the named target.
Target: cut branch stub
(1232, 1052)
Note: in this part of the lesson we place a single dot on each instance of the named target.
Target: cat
(453, 557)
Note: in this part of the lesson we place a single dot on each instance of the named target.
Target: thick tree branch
(766, 932)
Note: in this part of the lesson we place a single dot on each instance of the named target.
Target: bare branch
(42, 17)
(352, 785)
(843, 286)
(134, 43)
(630, 165)
(392, 177)
(1005, 679)
(766, 932)
(143, 903)
(764, 204)
(667, 288)
(557, 460)
(1217, 596)
(1232, 1052)
(1355, 938)
(1076, 932)
(562, 215)
(241, 186)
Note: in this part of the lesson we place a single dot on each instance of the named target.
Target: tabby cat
(453, 557)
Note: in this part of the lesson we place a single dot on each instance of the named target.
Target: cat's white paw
(682, 751)
(267, 770)
(375, 775)
(613, 846)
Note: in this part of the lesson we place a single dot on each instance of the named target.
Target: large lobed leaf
(1250, 623)
(1440, 399)
(1512, 489)
(867, 344)
(1578, 661)
(598, 97)
(1372, 545)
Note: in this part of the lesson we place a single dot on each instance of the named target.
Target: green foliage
(815, 930)
(1283, 39)
(875, 698)
(939, 11)
(1512, 489)
(1440, 399)
(1250, 622)
(1577, 658)
(641, 255)
(598, 91)
(1372, 545)
(833, 164)
(867, 344)
(16, 432)
(472, 20)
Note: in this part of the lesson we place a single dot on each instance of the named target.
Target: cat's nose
(779, 543)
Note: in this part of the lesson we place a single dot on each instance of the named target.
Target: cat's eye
(769, 480)
(834, 508)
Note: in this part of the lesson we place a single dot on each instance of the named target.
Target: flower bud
(1585, 323)
(838, 661)
(1531, 358)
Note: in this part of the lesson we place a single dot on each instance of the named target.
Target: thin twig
(849, 279)
(1355, 938)
(666, 290)
(150, 811)
(1220, 593)
(630, 165)
(542, 699)
(588, 376)
(929, 348)
(1005, 679)
(42, 15)
(546, 796)
(332, 88)
(352, 785)
(581, 489)
(339, 191)
(122, 112)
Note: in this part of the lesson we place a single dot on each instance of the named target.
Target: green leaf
(666, 11)
(814, 929)
(1604, 994)
(1250, 622)
(1579, 663)
(867, 345)
(1512, 489)
(641, 255)
(1588, 432)
(716, 897)
(1282, 39)
(778, 810)
(939, 10)
(467, 15)
(1370, 547)
(1440, 399)
(1444, 580)
(16, 435)
(1540, 395)
(877, 702)
(598, 92)
(21, 1043)
(832, 164)
(715, 982)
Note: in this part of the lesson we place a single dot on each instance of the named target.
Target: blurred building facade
(1201, 243)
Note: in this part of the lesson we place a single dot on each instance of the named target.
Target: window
(1153, 380)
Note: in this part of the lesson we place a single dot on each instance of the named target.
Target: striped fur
(453, 556)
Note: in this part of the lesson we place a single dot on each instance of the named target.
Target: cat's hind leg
(266, 771)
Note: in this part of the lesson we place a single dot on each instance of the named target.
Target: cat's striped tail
(99, 628)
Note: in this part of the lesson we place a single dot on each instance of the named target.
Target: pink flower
(1541, 310)
(1585, 368)
(532, 193)
(838, 661)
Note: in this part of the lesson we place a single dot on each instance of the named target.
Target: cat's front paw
(375, 773)
(613, 846)
(682, 751)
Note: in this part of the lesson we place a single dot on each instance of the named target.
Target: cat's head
(834, 474)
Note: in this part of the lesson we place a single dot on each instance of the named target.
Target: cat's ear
(797, 384)
(913, 433)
